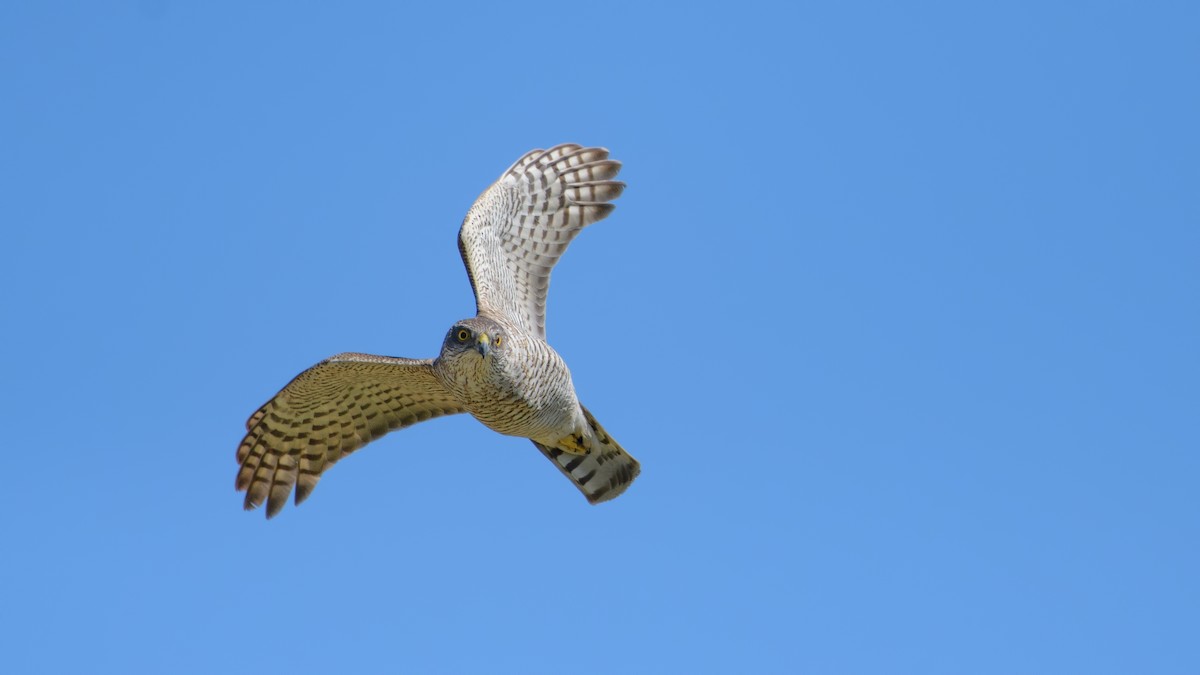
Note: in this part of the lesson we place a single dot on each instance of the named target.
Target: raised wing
(327, 412)
(520, 226)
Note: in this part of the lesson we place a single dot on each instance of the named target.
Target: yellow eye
(499, 339)
(463, 335)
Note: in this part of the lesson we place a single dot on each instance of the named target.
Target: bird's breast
(531, 396)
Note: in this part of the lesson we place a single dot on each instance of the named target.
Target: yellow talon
(574, 444)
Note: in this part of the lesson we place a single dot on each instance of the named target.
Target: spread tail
(601, 475)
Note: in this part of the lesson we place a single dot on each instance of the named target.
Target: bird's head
(479, 334)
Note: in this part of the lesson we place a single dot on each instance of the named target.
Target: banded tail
(601, 475)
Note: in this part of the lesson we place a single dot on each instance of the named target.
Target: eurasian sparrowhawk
(496, 365)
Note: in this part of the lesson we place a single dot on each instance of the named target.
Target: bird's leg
(575, 444)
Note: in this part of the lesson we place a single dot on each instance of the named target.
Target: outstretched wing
(327, 412)
(520, 226)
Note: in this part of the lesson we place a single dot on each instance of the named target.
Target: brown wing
(519, 227)
(327, 412)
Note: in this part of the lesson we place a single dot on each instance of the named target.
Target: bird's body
(523, 389)
(496, 365)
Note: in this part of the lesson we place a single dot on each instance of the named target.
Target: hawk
(496, 365)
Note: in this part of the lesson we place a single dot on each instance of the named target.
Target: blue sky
(898, 311)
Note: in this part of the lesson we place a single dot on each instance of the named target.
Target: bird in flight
(496, 365)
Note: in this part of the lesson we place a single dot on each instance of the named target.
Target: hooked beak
(483, 344)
